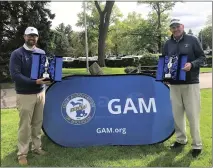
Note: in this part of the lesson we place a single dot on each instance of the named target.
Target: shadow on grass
(168, 159)
(98, 156)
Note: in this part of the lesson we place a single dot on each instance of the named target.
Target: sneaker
(196, 152)
(39, 152)
(176, 145)
(22, 160)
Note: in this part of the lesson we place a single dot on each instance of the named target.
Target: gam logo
(78, 109)
(115, 106)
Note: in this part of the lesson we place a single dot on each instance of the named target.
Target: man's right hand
(167, 83)
(41, 81)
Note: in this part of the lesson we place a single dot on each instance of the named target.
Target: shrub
(127, 62)
(114, 63)
(148, 60)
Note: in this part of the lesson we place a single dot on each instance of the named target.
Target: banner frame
(135, 74)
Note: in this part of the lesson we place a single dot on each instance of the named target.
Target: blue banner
(108, 110)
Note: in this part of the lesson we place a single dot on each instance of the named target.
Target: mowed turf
(153, 155)
(106, 70)
(83, 71)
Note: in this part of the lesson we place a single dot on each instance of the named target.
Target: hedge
(77, 64)
(209, 61)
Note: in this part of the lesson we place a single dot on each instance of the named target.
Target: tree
(144, 35)
(206, 37)
(61, 39)
(78, 44)
(159, 8)
(209, 20)
(124, 35)
(60, 44)
(15, 17)
(104, 18)
(190, 32)
(93, 17)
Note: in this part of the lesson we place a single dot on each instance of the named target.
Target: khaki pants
(30, 109)
(186, 98)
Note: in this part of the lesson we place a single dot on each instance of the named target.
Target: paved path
(8, 96)
(206, 80)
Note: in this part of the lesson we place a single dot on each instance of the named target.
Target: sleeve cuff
(193, 65)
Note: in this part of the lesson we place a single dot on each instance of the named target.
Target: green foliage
(209, 61)
(120, 62)
(131, 35)
(209, 20)
(159, 19)
(122, 34)
(61, 40)
(148, 60)
(206, 37)
(92, 28)
(77, 64)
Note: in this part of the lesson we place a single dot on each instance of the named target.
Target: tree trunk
(116, 49)
(101, 42)
(159, 29)
(103, 29)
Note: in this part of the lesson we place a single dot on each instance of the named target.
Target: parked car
(68, 59)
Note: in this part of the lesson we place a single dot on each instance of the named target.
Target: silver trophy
(169, 65)
(45, 74)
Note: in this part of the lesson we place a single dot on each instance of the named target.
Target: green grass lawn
(83, 71)
(206, 70)
(154, 156)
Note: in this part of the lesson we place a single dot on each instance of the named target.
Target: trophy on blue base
(46, 74)
(170, 68)
(48, 68)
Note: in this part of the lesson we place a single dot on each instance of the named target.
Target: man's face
(31, 39)
(177, 30)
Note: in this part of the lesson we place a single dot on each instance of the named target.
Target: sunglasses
(175, 26)
(32, 35)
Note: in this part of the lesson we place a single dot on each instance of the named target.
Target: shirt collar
(179, 38)
(27, 48)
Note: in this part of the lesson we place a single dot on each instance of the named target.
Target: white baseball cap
(31, 30)
(175, 21)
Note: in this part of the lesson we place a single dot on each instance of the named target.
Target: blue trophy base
(53, 69)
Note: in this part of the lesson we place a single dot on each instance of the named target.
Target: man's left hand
(187, 67)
